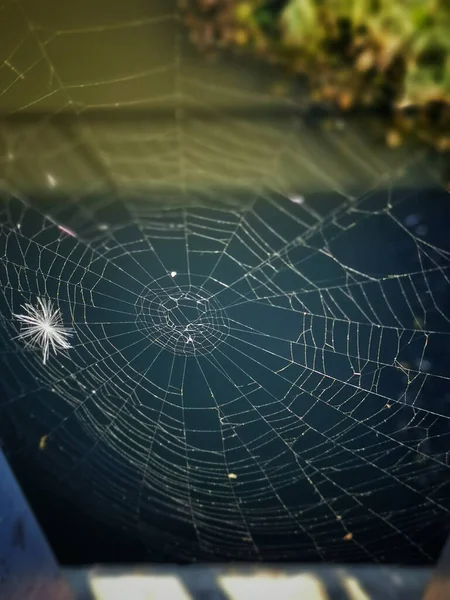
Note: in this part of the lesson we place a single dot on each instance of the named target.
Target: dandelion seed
(42, 327)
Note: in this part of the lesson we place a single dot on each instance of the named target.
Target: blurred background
(270, 177)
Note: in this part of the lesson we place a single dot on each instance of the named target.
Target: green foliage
(417, 31)
(382, 54)
(300, 23)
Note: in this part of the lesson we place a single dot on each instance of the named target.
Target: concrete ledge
(257, 582)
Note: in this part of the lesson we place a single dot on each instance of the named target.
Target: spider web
(259, 361)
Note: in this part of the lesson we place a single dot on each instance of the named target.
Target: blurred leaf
(299, 20)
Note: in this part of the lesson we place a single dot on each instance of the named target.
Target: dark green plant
(384, 54)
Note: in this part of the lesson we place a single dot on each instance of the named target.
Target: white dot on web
(51, 180)
(297, 199)
(173, 273)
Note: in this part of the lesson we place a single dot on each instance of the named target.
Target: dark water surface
(267, 380)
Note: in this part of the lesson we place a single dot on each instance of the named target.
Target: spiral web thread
(257, 370)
